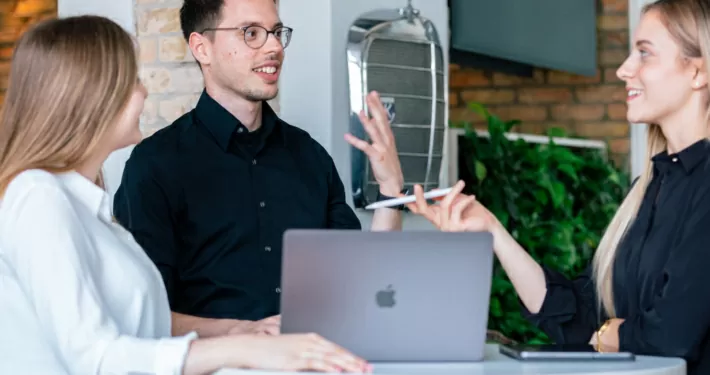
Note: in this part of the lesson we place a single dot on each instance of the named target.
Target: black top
(209, 202)
(661, 272)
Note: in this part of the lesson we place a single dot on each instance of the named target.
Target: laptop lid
(390, 296)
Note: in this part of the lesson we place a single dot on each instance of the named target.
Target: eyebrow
(643, 42)
(254, 23)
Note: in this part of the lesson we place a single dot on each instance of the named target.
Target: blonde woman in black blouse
(646, 290)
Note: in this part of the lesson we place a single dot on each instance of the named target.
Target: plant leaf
(569, 171)
(481, 171)
(511, 124)
(479, 108)
(496, 309)
(557, 193)
(556, 132)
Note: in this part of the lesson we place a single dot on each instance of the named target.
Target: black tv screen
(553, 34)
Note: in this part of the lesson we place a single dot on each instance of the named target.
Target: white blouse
(77, 294)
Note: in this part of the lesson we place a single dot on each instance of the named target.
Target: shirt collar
(88, 193)
(688, 158)
(225, 128)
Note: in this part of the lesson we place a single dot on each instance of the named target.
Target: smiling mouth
(266, 69)
(632, 94)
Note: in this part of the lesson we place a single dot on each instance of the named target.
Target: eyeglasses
(256, 36)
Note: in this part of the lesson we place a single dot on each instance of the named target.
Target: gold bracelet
(600, 331)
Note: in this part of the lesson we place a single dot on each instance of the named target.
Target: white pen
(408, 199)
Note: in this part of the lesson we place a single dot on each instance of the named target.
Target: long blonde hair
(688, 23)
(70, 80)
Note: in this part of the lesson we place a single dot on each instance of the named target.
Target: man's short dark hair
(198, 15)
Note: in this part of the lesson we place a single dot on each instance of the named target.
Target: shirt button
(277, 290)
(262, 204)
(268, 248)
(675, 160)
(253, 161)
(240, 130)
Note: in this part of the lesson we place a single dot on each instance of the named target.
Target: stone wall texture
(168, 70)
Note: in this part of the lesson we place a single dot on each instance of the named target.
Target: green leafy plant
(556, 201)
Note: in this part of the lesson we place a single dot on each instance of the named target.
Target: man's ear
(700, 79)
(201, 48)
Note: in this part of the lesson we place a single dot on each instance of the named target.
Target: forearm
(207, 356)
(524, 272)
(386, 219)
(205, 327)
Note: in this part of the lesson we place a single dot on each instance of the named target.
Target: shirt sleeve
(678, 320)
(569, 313)
(56, 265)
(142, 206)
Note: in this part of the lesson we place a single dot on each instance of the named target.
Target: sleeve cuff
(559, 300)
(624, 335)
(171, 354)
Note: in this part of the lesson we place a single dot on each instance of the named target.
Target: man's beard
(259, 95)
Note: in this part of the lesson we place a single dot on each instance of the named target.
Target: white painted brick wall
(170, 74)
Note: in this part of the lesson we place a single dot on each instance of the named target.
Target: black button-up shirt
(661, 272)
(209, 202)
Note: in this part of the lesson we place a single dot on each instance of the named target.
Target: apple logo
(385, 297)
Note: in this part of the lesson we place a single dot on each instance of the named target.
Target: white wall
(314, 89)
(639, 132)
(120, 11)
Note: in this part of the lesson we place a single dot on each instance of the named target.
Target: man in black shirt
(210, 196)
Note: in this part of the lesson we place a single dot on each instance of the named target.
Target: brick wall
(15, 17)
(592, 107)
(172, 78)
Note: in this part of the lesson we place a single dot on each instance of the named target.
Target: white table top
(498, 364)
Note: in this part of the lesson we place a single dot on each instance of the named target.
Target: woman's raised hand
(456, 212)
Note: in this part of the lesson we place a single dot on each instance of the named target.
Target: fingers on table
(322, 355)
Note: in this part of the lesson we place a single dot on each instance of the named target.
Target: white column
(639, 132)
(120, 11)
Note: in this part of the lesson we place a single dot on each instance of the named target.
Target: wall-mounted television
(553, 34)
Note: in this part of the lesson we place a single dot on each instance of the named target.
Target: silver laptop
(390, 296)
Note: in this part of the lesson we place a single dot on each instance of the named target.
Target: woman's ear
(700, 78)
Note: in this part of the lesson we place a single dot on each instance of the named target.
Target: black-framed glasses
(255, 36)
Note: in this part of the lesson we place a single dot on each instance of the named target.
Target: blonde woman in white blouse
(77, 294)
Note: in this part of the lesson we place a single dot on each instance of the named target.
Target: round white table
(495, 363)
